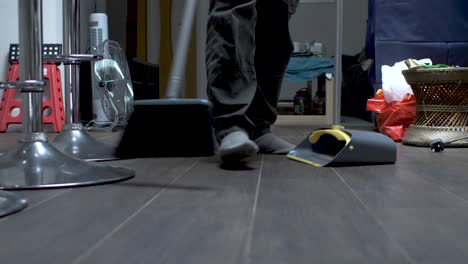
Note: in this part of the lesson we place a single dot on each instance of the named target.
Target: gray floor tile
(412, 212)
(395, 186)
(208, 223)
(307, 215)
(430, 236)
(62, 229)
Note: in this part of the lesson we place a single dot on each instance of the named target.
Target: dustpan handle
(338, 63)
(177, 75)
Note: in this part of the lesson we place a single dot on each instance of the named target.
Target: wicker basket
(442, 105)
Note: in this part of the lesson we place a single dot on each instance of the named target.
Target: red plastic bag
(393, 119)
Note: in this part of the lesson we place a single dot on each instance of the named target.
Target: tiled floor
(190, 210)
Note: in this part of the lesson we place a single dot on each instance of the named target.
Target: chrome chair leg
(33, 162)
(74, 139)
(11, 203)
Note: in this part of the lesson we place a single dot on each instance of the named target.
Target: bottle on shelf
(302, 102)
(318, 103)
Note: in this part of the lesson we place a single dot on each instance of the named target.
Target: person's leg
(273, 51)
(231, 77)
(230, 51)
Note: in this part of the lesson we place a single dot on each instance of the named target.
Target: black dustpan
(337, 146)
(344, 147)
(171, 127)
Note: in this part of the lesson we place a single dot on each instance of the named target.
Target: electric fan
(114, 85)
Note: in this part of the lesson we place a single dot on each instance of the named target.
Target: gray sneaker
(237, 147)
(271, 144)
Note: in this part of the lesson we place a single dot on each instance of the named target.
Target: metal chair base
(11, 203)
(36, 164)
(76, 142)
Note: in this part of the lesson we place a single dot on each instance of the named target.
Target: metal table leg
(33, 162)
(74, 140)
(11, 203)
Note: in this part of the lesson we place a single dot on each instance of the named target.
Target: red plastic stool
(54, 104)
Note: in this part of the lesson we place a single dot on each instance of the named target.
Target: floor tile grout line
(99, 243)
(453, 194)
(248, 244)
(29, 208)
(377, 220)
(49, 199)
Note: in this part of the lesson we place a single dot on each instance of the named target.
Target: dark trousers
(248, 50)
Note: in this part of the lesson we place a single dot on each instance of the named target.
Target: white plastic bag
(393, 82)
